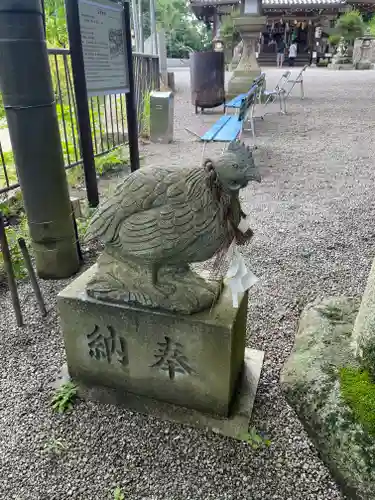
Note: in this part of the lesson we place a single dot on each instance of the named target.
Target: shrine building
(293, 19)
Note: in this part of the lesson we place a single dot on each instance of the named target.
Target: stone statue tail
(103, 223)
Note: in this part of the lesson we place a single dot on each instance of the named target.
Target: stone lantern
(364, 51)
(249, 24)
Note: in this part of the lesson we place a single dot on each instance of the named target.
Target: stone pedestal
(340, 66)
(188, 368)
(247, 70)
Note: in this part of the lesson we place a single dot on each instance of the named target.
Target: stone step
(270, 60)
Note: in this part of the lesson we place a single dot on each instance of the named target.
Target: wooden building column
(311, 36)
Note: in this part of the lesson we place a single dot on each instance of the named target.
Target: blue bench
(226, 129)
(235, 103)
(230, 127)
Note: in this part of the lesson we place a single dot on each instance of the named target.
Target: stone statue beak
(254, 177)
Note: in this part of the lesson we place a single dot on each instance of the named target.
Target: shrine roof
(293, 3)
(290, 4)
(202, 3)
(268, 3)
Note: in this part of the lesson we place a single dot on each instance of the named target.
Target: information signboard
(103, 45)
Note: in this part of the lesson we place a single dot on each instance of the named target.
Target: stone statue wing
(142, 191)
(153, 234)
(134, 194)
(163, 231)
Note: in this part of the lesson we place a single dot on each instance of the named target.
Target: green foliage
(254, 439)
(55, 447)
(10, 168)
(358, 391)
(13, 233)
(56, 29)
(68, 131)
(370, 25)
(64, 397)
(227, 29)
(111, 160)
(183, 33)
(350, 26)
(118, 494)
(170, 12)
(83, 222)
(2, 110)
(75, 176)
(103, 164)
(82, 225)
(8, 157)
(13, 206)
(334, 39)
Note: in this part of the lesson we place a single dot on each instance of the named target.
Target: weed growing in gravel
(82, 225)
(104, 164)
(12, 207)
(55, 446)
(254, 439)
(64, 397)
(118, 494)
(114, 159)
(13, 233)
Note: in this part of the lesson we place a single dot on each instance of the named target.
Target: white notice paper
(103, 44)
(238, 277)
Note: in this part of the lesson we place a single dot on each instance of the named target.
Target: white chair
(278, 93)
(298, 80)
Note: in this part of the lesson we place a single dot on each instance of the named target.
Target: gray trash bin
(161, 117)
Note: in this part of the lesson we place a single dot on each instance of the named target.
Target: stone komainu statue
(159, 220)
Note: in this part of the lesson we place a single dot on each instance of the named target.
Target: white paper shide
(238, 277)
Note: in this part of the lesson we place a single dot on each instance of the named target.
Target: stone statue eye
(235, 165)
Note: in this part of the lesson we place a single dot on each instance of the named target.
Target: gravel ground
(313, 219)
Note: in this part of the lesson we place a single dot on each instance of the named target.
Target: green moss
(358, 391)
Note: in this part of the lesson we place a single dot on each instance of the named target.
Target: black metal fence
(107, 113)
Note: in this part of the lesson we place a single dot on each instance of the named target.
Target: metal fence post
(131, 111)
(83, 113)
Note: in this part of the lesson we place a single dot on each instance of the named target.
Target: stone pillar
(25, 81)
(249, 27)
